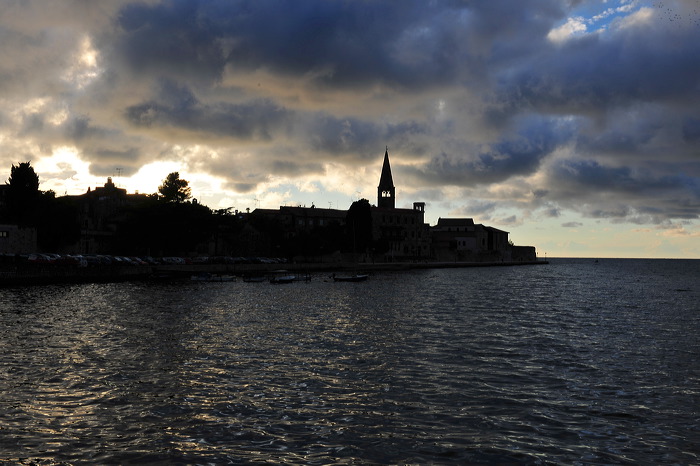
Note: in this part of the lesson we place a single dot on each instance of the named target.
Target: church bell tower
(386, 192)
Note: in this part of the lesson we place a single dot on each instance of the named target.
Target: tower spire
(386, 191)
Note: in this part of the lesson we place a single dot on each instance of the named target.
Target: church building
(403, 232)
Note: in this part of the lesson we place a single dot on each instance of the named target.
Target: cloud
(178, 109)
(542, 105)
(517, 155)
(564, 32)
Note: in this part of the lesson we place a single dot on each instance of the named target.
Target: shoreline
(31, 274)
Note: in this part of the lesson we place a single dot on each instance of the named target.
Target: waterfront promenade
(36, 274)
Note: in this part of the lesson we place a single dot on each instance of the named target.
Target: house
(460, 239)
(15, 239)
(298, 233)
(100, 211)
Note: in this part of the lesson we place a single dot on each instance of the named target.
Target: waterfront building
(100, 211)
(460, 239)
(401, 234)
(16, 239)
(111, 220)
(296, 233)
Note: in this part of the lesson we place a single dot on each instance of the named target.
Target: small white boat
(209, 277)
(358, 277)
(279, 277)
(282, 279)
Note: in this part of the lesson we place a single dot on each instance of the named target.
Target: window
(4, 234)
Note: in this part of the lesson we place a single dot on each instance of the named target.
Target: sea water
(575, 362)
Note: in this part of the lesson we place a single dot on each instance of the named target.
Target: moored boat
(358, 277)
(209, 277)
(254, 279)
(281, 276)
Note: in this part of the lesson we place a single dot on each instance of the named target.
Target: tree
(57, 222)
(23, 178)
(23, 192)
(174, 189)
(358, 225)
(163, 228)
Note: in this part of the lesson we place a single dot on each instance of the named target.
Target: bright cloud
(572, 27)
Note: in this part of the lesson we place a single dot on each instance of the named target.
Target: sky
(572, 124)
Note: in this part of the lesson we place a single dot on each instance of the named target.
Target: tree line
(171, 222)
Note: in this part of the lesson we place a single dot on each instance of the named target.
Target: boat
(255, 279)
(279, 277)
(209, 277)
(282, 279)
(358, 277)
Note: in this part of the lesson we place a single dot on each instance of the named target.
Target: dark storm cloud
(599, 117)
(623, 179)
(353, 40)
(175, 107)
(335, 135)
(411, 44)
(174, 38)
(691, 130)
(360, 138)
(518, 155)
(178, 108)
(625, 191)
(593, 74)
(509, 158)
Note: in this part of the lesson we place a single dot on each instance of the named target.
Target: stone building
(403, 232)
(299, 231)
(99, 212)
(461, 240)
(15, 239)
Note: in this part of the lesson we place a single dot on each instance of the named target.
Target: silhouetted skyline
(574, 127)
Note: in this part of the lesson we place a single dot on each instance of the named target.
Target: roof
(386, 180)
(495, 229)
(455, 222)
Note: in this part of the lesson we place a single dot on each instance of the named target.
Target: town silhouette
(107, 222)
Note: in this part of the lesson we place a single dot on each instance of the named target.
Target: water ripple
(572, 363)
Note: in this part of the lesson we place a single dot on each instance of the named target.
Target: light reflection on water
(574, 362)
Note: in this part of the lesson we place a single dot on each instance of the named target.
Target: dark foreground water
(575, 362)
